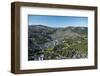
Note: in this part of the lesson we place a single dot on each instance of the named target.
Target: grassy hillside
(46, 43)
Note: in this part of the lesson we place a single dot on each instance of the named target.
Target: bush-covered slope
(46, 43)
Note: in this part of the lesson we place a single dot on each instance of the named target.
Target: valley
(51, 43)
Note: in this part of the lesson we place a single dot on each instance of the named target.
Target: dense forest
(47, 43)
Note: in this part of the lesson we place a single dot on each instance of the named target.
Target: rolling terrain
(47, 43)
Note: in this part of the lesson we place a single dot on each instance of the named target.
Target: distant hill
(44, 39)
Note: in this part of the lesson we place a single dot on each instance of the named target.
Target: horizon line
(59, 26)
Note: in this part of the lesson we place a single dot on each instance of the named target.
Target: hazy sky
(57, 21)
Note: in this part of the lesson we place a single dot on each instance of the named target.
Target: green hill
(46, 43)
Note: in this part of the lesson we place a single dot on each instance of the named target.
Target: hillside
(46, 43)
